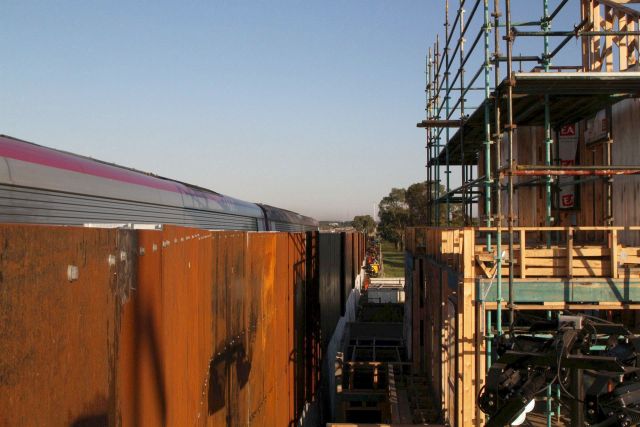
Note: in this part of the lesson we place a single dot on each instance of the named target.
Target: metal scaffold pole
(466, 215)
(436, 89)
(427, 90)
(487, 123)
(487, 167)
(446, 101)
(545, 26)
(498, 163)
(510, 128)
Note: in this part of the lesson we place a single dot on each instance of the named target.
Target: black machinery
(595, 363)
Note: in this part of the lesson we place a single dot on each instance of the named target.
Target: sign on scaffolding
(567, 148)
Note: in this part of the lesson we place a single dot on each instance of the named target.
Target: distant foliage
(408, 207)
(394, 216)
(416, 197)
(364, 224)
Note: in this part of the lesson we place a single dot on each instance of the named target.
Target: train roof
(284, 215)
(25, 151)
(20, 154)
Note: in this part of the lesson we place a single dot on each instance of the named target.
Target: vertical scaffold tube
(498, 163)
(466, 217)
(487, 169)
(447, 112)
(436, 98)
(509, 38)
(427, 90)
(545, 26)
(487, 123)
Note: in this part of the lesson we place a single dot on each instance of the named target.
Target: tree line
(401, 208)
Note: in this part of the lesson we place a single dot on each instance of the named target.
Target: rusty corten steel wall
(232, 318)
(330, 281)
(161, 327)
(59, 339)
(340, 263)
(347, 268)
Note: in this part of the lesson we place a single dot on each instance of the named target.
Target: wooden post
(608, 40)
(468, 252)
(596, 57)
(632, 42)
(613, 247)
(375, 377)
(585, 9)
(470, 352)
(569, 252)
(622, 42)
(523, 254)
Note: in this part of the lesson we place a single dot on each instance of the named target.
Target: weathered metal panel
(347, 273)
(61, 295)
(261, 272)
(355, 266)
(141, 388)
(329, 260)
(161, 327)
(297, 323)
(184, 311)
(315, 349)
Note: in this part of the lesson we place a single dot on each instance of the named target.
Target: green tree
(457, 214)
(364, 224)
(416, 198)
(417, 201)
(394, 216)
(403, 208)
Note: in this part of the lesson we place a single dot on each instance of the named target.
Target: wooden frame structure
(525, 252)
(599, 51)
(454, 296)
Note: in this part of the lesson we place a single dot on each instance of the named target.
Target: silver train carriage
(41, 185)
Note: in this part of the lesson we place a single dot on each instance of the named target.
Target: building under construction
(524, 287)
(131, 299)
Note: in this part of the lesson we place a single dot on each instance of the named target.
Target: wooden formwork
(608, 52)
(444, 318)
(454, 288)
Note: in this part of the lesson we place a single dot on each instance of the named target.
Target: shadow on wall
(219, 377)
(101, 420)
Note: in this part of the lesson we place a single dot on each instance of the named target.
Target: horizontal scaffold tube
(542, 170)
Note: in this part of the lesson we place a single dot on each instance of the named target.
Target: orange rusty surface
(142, 392)
(162, 327)
(58, 337)
(227, 328)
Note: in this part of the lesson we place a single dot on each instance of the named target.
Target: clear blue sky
(305, 105)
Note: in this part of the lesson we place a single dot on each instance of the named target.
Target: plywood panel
(626, 150)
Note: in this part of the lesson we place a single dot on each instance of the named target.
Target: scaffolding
(476, 143)
(480, 134)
